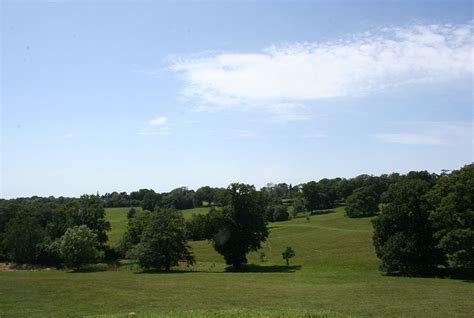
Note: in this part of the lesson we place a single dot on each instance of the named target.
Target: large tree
(403, 234)
(163, 241)
(453, 215)
(23, 234)
(244, 226)
(362, 202)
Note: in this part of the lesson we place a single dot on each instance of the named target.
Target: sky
(116, 96)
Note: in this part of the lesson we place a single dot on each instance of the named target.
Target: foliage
(90, 211)
(163, 242)
(151, 200)
(280, 213)
(403, 235)
(362, 202)
(244, 227)
(78, 246)
(298, 206)
(315, 196)
(287, 254)
(22, 236)
(453, 215)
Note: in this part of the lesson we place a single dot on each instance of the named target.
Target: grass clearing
(334, 274)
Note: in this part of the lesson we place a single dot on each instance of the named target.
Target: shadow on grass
(171, 271)
(321, 212)
(464, 274)
(252, 268)
(89, 269)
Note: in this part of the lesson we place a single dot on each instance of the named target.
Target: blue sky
(117, 96)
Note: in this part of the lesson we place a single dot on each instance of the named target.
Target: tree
(453, 215)
(150, 200)
(403, 234)
(163, 242)
(23, 234)
(78, 246)
(362, 202)
(287, 254)
(203, 194)
(90, 211)
(315, 197)
(244, 227)
(298, 206)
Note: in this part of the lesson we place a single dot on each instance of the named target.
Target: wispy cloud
(157, 126)
(430, 133)
(280, 77)
(158, 121)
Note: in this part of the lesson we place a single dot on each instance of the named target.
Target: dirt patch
(15, 267)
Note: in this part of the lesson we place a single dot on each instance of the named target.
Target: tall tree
(453, 215)
(403, 234)
(244, 225)
(23, 234)
(163, 242)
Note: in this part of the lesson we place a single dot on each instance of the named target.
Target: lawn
(334, 274)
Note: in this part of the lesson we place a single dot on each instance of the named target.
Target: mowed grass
(334, 274)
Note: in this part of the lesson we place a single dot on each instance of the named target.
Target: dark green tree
(23, 234)
(453, 216)
(362, 202)
(315, 197)
(163, 242)
(403, 233)
(244, 225)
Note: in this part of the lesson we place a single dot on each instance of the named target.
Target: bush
(78, 246)
(280, 213)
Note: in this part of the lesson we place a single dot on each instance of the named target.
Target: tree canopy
(244, 226)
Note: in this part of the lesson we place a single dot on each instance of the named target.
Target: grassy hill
(334, 274)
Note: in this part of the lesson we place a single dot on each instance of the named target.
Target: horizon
(104, 97)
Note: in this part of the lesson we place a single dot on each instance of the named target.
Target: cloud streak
(280, 77)
(435, 134)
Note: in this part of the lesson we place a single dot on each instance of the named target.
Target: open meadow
(334, 274)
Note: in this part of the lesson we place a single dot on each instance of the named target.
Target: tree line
(422, 221)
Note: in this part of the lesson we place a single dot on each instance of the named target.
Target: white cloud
(158, 121)
(279, 77)
(157, 126)
(430, 133)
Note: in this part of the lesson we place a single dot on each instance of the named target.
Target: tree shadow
(253, 268)
(87, 270)
(171, 271)
(321, 212)
(464, 274)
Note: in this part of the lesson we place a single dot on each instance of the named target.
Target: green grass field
(334, 274)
